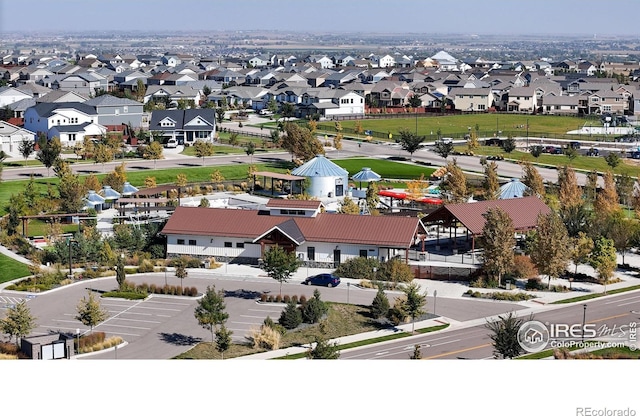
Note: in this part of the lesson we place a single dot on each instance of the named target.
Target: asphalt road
(471, 341)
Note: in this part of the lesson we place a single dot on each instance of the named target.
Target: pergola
(522, 211)
(277, 176)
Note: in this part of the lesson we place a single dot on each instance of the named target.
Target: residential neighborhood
(260, 188)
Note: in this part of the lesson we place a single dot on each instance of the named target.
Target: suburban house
(318, 239)
(114, 111)
(11, 136)
(330, 102)
(473, 99)
(522, 100)
(186, 126)
(70, 122)
(560, 104)
(10, 95)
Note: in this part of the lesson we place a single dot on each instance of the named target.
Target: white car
(265, 112)
(171, 144)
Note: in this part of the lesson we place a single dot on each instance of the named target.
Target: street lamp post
(71, 242)
(348, 285)
(435, 293)
(584, 319)
(77, 340)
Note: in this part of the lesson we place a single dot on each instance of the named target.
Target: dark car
(323, 279)
(554, 150)
(593, 152)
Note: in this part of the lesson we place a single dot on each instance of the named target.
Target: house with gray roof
(114, 111)
(70, 122)
(186, 126)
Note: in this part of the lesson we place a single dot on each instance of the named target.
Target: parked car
(265, 112)
(554, 150)
(323, 279)
(574, 145)
(171, 143)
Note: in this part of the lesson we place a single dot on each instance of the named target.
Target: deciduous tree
(210, 310)
(414, 302)
(603, 259)
(280, 264)
(569, 193)
(26, 148)
(153, 152)
(203, 149)
(49, 151)
(90, 311)
(550, 249)
(18, 321)
(533, 180)
(455, 183)
(607, 199)
(498, 241)
(490, 183)
(410, 142)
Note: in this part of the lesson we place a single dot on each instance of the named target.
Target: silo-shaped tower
(327, 180)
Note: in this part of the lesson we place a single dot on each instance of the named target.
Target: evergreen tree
(291, 316)
(417, 354)
(314, 309)
(323, 350)
(223, 339)
(504, 334)
(380, 306)
(120, 273)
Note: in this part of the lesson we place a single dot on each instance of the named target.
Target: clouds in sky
(415, 16)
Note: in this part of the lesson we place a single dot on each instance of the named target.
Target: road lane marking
(621, 300)
(607, 318)
(629, 303)
(447, 342)
(139, 320)
(477, 347)
(252, 316)
(124, 326)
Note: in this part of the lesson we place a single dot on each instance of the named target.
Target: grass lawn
(343, 319)
(39, 227)
(195, 173)
(458, 125)
(11, 269)
(385, 168)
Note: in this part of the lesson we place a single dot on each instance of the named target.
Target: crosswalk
(7, 302)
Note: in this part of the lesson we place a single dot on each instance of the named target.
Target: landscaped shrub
(263, 297)
(303, 300)
(91, 339)
(394, 270)
(534, 283)
(291, 316)
(294, 299)
(153, 288)
(286, 299)
(523, 267)
(278, 299)
(145, 267)
(380, 305)
(270, 298)
(358, 268)
(193, 291)
(265, 337)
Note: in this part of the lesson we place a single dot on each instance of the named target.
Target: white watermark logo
(591, 411)
(535, 336)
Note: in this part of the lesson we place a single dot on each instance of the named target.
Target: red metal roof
(293, 203)
(523, 212)
(382, 231)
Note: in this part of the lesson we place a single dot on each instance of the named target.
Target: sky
(408, 16)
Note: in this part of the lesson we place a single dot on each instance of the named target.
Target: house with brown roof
(317, 238)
